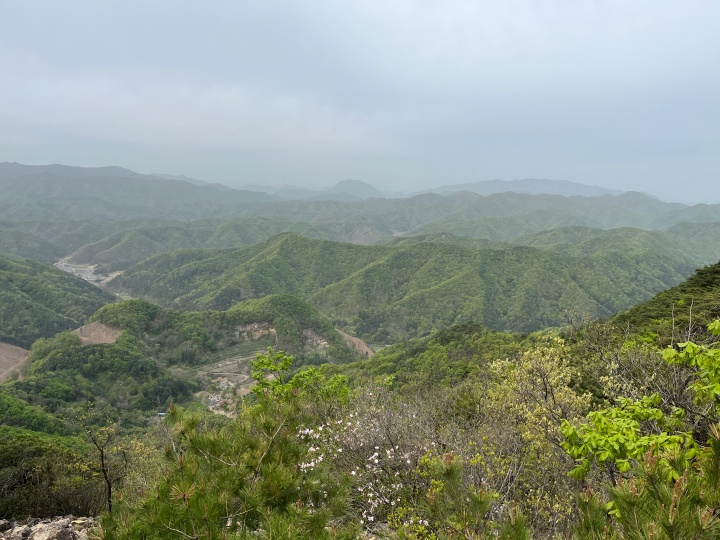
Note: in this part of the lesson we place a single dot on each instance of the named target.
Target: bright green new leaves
(647, 505)
(615, 436)
(706, 360)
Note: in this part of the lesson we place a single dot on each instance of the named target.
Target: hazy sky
(402, 94)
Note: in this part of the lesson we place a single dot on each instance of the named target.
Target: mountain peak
(357, 188)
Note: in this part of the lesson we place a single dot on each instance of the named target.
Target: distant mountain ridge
(346, 191)
(531, 186)
(60, 193)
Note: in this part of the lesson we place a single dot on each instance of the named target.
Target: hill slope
(390, 292)
(57, 192)
(37, 300)
(529, 185)
(693, 303)
(281, 321)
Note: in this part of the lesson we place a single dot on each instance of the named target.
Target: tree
(243, 480)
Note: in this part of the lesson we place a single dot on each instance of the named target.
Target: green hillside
(38, 300)
(29, 194)
(116, 239)
(443, 359)
(693, 303)
(18, 413)
(72, 235)
(23, 245)
(177, 337)
(468, 214)
(696, 243)
(63, 374)
(393, 291)
(124, 249)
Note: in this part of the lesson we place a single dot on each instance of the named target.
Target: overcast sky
(402, 94)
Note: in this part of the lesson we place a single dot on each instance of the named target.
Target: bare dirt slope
(357, 344)
(10, 358)
(97, 332)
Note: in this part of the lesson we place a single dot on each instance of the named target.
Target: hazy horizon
(403, 95)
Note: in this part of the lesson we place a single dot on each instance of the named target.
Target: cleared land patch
(10, 358)
(96, 333)
(356, 343)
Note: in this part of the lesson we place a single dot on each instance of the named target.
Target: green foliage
(445, 358)
(63, 375)
(191, 338)
(18, 413)
(452, 509)
(680, 312)
(665, 497)
(242, 481)
(614, 437)
(45, 475)
(394, 291)
(134, 315)
(37, 300)
(327, 395)
(705, 360)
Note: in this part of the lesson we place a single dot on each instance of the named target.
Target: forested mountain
(444, 359)
(37, 300)
(486, 412)
(123, 249)
(464, 212)
(60, 193)
(104, 229)
(280, 321)
(56, 193)
(529, 185)
(346, 190)
(684, 310)
(120, 244)
(389, 292)
(70, 236)
(16, 243)
(696, 243)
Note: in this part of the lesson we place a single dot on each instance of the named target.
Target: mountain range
(408, 288)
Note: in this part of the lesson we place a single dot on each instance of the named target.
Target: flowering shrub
(377, 446)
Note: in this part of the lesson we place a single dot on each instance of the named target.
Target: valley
(86, 272)
(435, 339)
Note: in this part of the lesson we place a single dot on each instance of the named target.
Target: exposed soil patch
(228, 372)
(97, 332)
(10, 358)
(357, 344)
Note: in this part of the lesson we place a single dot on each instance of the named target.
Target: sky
(405, 95)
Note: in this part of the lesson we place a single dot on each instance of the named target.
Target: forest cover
(537, 372)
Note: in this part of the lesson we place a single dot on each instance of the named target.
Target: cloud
(407, 93)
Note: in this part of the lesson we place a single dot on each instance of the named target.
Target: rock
(57, 528)
(54, 531)
(19, 532)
